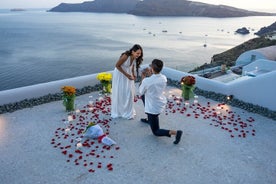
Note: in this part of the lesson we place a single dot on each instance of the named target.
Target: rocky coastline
(230, 56)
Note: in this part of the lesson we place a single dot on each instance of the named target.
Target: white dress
(123, 91)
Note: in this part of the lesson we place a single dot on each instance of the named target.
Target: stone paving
(220, 144)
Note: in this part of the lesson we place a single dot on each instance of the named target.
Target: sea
(37, 46)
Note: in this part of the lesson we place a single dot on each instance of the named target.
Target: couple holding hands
(151, 89)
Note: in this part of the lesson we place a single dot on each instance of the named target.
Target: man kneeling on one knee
(155, 101)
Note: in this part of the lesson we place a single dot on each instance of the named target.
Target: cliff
(110, 6)
(189, 8)
(157, 8)
(267, 30)
(230, 56)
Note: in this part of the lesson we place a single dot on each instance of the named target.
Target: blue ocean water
(38, 46)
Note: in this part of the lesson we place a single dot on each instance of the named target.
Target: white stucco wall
(33, 91)
(245, 58)
(261, 64)
(201, 82)
(259, 90)
(268, 53)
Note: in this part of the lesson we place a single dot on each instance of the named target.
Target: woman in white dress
(123, 88)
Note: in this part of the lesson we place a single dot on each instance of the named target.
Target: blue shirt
(153, 87)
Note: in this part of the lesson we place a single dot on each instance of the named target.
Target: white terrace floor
(231, 147)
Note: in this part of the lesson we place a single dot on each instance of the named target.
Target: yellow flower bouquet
(68, 96)
(105, 79)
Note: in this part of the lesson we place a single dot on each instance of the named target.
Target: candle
(218, 109)
(90, 100)
(70, 118)
(79, 145)
(187, 104)
(196, 99)
(67, 130)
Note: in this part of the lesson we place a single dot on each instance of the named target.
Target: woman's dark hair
(139, 60)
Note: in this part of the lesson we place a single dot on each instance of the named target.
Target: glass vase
(69, 103)
(106, 87)
(187, 91)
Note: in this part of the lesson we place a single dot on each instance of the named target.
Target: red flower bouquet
(188, 80)
(187, 85)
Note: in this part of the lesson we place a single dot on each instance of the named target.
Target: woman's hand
(130, 77)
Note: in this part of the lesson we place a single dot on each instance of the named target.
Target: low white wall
(201, 82)
(259, 90)
(261, 64)
(38, 90)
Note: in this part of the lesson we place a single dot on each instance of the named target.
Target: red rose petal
(78, 151)
(64, 152)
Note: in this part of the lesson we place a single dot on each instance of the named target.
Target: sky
(244, 4)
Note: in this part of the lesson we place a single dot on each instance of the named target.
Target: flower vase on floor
(187, 92)
(69, 103)
(106, 81)
(106, 87)
(187, 86)
(68, 96)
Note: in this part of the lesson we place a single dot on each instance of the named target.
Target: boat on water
(205, 44)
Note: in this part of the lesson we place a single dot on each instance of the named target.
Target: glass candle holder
(70, 118)
(187, 104)
(67, 130)
(79, 145)
(90, 100)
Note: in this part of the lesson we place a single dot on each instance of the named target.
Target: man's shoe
(144, 120)
(178, 136)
